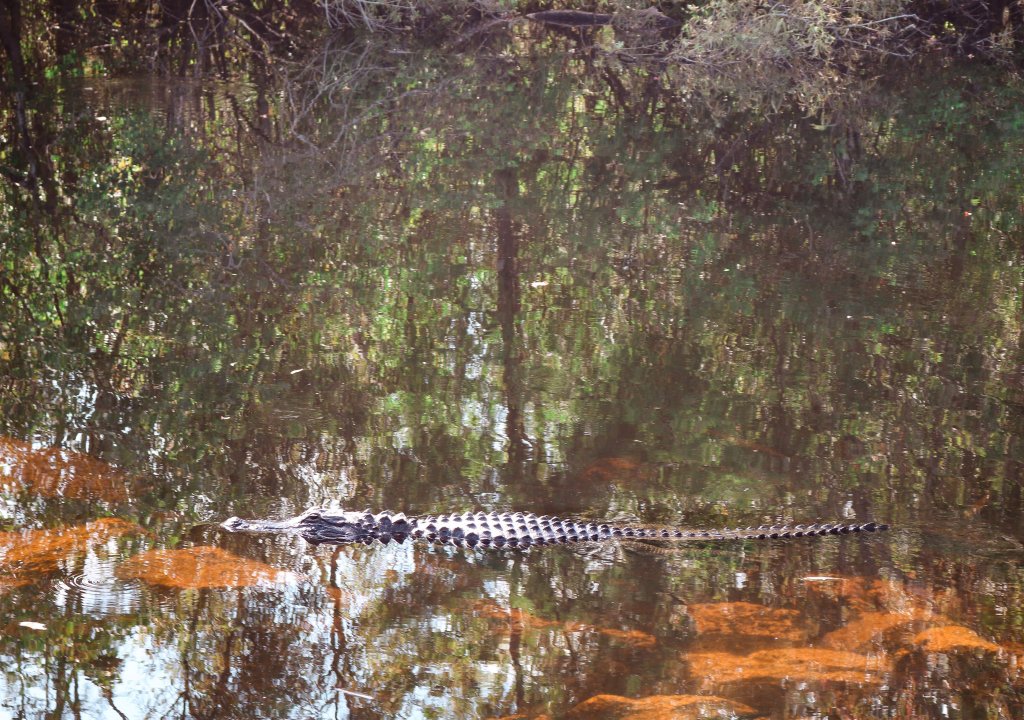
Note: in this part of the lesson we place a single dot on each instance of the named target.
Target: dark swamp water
(526, 280)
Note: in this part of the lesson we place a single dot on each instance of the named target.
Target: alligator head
(329, 525)
(315, 525)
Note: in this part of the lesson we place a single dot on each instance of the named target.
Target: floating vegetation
(728, 620)
(658, 707)
(794, 664)
(54, 472)
(872, 630)
(617, 470)
(953, 638)
(198, 567)
(28, 555)
(519, 620)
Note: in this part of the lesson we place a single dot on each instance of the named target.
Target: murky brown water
(518, 285)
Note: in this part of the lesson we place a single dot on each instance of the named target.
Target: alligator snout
(233, 524)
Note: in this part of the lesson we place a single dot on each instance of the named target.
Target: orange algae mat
(27, 554)
(52, 472)
(748, 619)
(806, 664)
(658, 707)
(520, 620)
(198, 567)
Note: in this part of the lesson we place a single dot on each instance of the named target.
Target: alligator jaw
(315, 525)
(237, 524)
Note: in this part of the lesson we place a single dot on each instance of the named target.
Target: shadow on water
(539, 281)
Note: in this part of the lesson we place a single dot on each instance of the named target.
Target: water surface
(525, 281)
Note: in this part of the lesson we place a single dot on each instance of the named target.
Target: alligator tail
(765, 532)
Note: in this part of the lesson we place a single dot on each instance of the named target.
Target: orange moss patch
(27, 554)
(197, 567)
(52, 472)
(615, 469)
(870, 630)
(953, 638)
(519, 620)
(858, 593)
(635, 638)
(1016, 650)
(868, 595)
(747, 619)
(658, 707)
(12, 582)
(745, 444)
(804, 664)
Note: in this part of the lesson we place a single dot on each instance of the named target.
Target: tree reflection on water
(512, 283)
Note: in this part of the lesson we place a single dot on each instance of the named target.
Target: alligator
(505, 529)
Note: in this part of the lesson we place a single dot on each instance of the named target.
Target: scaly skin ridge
(508, 529)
